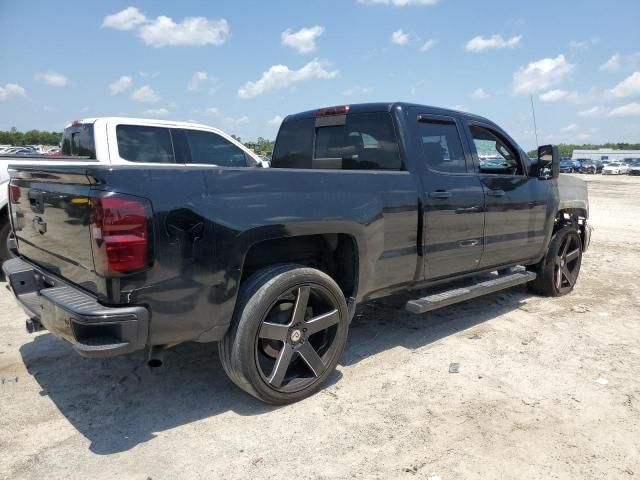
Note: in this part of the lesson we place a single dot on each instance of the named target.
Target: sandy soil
(546, 389)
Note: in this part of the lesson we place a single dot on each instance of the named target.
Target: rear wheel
(558, 271)
(288, 333)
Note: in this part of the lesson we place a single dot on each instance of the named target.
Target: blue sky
(242, 65)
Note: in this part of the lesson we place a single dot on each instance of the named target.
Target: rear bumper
(69, 313)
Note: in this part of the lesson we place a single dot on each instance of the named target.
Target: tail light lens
(14, 193)
(120, 230)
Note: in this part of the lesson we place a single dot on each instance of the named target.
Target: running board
(449, 297)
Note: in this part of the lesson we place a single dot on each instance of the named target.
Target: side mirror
(548, 162)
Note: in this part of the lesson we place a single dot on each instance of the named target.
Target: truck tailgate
(51, 211)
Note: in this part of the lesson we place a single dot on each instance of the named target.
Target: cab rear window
(365, 141)
(78, 141)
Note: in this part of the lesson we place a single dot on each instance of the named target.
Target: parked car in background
(615, 168)
(591, 166)
(569, 166)
(634, 168)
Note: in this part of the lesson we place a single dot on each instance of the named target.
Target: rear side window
(365, 141)
(77, 141)
(212, 149)
(441, 146)
(294, 145)
(143, 144)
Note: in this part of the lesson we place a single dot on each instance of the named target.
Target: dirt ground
(547, 388)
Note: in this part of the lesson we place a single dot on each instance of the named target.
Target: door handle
(440, 194)
(469, 243)
(473, 209)
(495, 193)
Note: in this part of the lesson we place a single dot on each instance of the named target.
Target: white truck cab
(122, 140)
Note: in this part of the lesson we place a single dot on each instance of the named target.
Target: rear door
(516, 204)
(454, 199)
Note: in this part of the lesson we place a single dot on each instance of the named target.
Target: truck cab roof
(373, 107)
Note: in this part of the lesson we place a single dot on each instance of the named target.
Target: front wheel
(287, 335)
(558, 271)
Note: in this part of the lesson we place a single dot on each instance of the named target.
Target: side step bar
(449, 297)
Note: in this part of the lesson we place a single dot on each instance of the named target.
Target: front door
(516, 204)
(453, 199)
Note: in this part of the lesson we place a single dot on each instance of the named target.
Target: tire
(5, 231)
(268, 329)
(557, 273)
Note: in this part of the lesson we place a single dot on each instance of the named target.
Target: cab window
(495, 155)
(212, 149)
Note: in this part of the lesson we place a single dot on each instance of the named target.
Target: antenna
(535, 127)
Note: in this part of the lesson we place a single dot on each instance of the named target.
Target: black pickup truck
(362, 201)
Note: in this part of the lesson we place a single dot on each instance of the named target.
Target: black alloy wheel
(297, 337)
(567, 264)
(288, 333)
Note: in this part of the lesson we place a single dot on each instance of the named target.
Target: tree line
(32, 137)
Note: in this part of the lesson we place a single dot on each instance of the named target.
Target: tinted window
(442, 147)
(212, 149)
(78, 141)
(366, 141)
(361, 141)
(294, 144)
(142, 144)
(495, 155)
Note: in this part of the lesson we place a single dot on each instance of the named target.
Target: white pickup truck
(117, 141)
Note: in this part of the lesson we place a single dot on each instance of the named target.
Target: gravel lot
(546, 389)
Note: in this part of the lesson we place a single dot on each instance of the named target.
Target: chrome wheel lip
(299, 349)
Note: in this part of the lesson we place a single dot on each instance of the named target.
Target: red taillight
(119, 229)
(324, 112)
(14, 193)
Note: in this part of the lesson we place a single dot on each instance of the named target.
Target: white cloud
(236, 121)
(275, 121)
(479, 93)
(400, 38)
(53, 78)
(145, 94)
(584, 44)
(304, 40)
(213, 111)
(629, 87)
(126, 19)
(619, 61)
(281, 76)
(164, 31)
(357, 90)
(157, 112)
(557, 95)
(592, 112)
(193, 31)
(428, 45)
(541, 75)
(202, 80)
(123, 83)
(583, 136)
(613, 64)
(569, 128)
(628, 110)
(398, 3)
(480, 44)
(11, 90)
